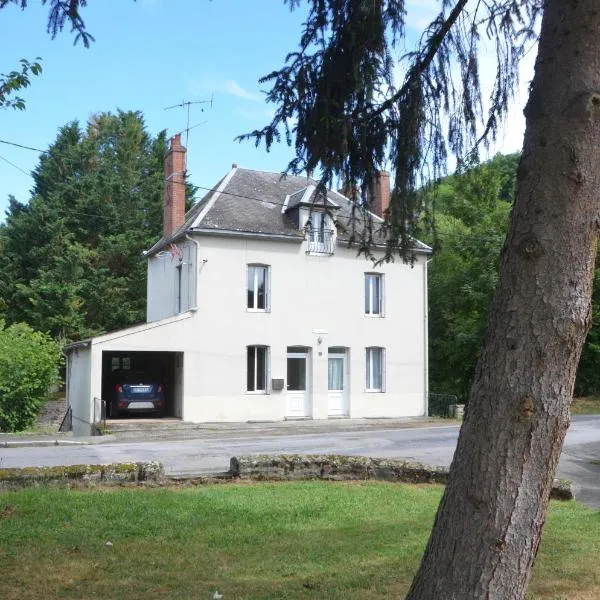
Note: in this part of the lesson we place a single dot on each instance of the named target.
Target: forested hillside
(471, 211)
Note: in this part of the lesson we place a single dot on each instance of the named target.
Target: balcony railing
(320, 241)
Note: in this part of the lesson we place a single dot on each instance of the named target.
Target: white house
(259, 308)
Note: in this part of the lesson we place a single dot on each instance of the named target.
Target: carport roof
(112, 335)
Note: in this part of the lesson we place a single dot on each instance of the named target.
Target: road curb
(40, 443)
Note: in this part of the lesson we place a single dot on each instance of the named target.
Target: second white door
(337, 384)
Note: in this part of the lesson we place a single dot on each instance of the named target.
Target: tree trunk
(490, 520)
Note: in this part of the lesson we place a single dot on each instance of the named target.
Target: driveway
(428, 444)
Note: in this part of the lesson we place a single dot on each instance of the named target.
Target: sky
(153, 54)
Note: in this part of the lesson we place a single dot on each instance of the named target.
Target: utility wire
(22, 146)
(12, 164)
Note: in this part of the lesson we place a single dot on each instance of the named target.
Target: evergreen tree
(337, 100)
(72, 261)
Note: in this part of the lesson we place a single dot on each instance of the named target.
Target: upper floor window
(257, 292)
(374, 294)
(320, 233)
(257, 369)
(374, 371)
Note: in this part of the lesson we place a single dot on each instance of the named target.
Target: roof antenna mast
(186, 104)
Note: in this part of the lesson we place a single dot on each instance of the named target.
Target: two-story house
(260, 308)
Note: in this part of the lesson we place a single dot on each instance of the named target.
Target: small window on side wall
(257, 369)
(258, 288)
(375, 369)
(374, 294)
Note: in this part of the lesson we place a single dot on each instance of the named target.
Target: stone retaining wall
(293, 467)
(86, 475)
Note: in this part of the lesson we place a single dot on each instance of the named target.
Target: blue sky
(151, 54)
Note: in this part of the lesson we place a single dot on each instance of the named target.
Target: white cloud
(225, 86)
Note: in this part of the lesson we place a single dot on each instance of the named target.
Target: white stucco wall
(311, 297)
(308, 293)
(162, 293)
(79, 389)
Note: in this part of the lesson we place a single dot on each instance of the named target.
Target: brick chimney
(379, 197)
(174, 200)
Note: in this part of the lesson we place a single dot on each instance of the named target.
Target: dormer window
(320, 233)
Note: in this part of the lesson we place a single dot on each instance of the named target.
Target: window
(257, 369)
(374, 294)
(320, 234)
(374, 376)
(120, 363)
(257, 287)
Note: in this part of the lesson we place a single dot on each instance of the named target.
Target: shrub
(29, 367)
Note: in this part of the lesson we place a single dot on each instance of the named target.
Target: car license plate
(140, 389)
(134, 405)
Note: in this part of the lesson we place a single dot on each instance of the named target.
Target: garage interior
(166, 367)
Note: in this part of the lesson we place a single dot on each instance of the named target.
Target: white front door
(337, 385)
(298, 385)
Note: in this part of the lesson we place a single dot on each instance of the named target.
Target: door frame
(306, 412)
(345, 411)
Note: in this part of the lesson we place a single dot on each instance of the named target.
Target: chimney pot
(174, 198)
(234, 165)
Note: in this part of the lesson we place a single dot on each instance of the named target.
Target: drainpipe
(196, 271)
(67, 377)
(426, 336)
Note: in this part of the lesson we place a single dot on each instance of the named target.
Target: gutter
(250, 234)
(75, 345)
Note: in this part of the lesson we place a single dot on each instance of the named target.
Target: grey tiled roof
(247, 201)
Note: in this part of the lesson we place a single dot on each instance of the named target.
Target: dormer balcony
(320, 241)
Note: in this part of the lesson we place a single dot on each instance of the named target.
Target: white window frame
(256, 391)
(267, 272)
(370, 368)
(369, 288)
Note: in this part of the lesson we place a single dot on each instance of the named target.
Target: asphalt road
(430, 445)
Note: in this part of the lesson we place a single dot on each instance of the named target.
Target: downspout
(196, 263)
(67, 378)
(426, 337)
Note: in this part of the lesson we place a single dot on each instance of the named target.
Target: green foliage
(71, 257)
(588, 373)
(17, 80)
(29, 364)
(472, 210)
(357, 97)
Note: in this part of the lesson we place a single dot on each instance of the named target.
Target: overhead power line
(22, 146)
(12, 164)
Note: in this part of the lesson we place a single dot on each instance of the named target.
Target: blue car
(135, 393)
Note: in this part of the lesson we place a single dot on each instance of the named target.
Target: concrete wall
(79, 394)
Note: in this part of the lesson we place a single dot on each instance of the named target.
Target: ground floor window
(374, 371)
(257, 369)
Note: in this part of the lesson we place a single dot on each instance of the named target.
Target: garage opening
(142, 384)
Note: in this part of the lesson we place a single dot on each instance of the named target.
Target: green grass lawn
(284, 540)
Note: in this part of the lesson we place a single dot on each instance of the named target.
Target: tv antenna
(185, 105)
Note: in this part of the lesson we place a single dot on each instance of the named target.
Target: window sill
(258, 310)
(374, 315)
(257, 393)
(374, 391)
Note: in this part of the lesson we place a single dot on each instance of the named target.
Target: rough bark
(489, 523)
